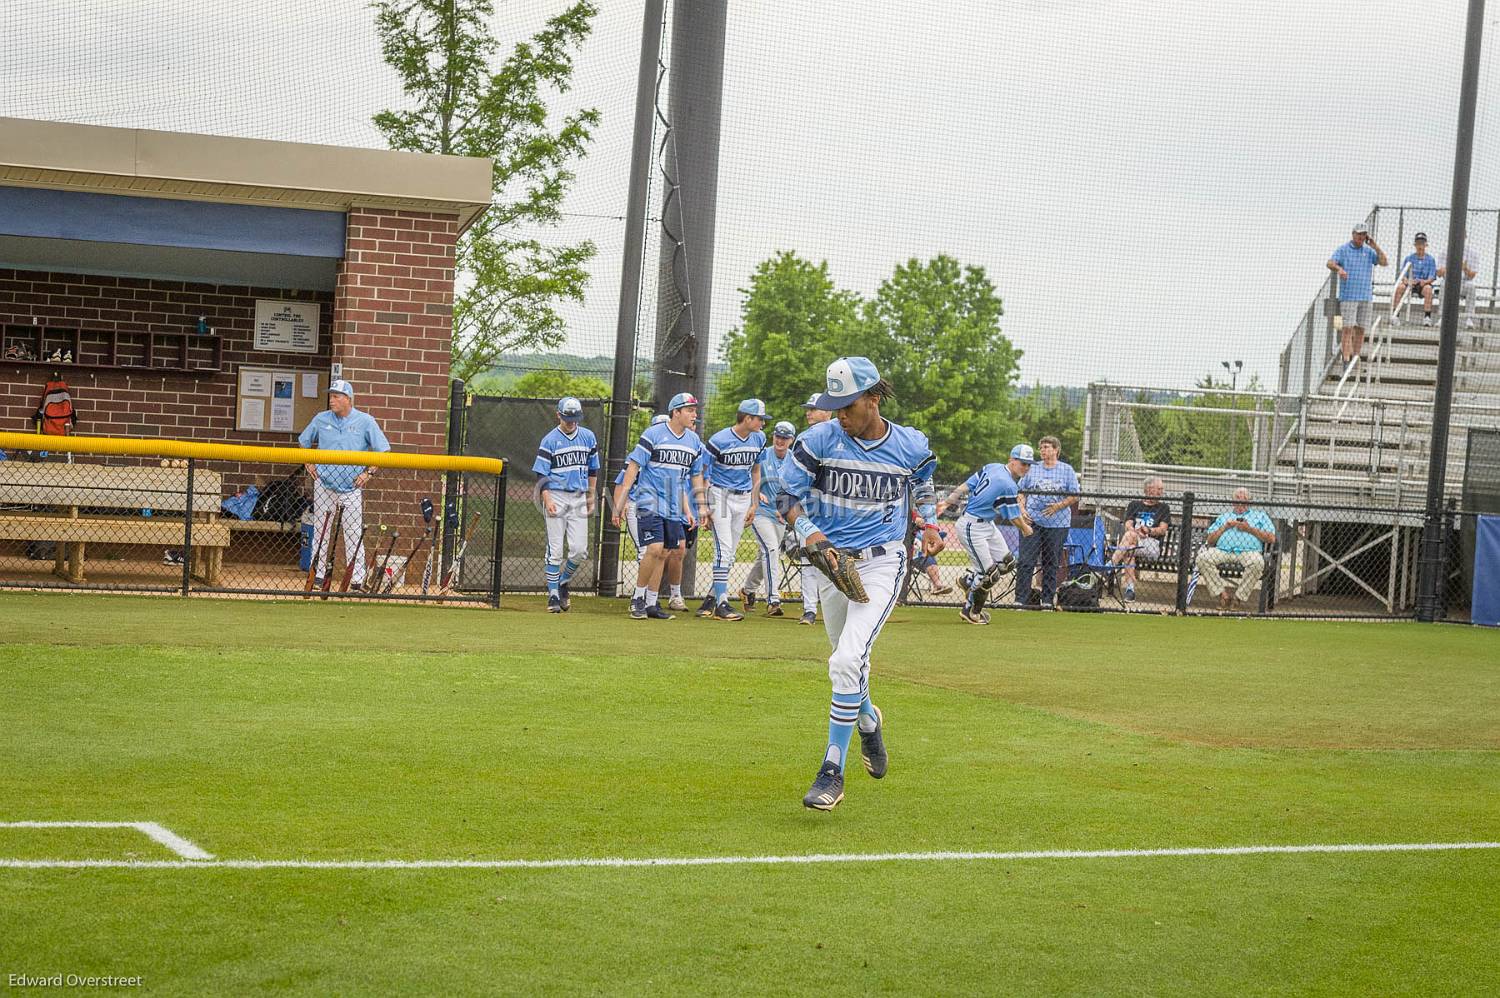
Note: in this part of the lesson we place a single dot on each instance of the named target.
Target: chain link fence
(254, 528)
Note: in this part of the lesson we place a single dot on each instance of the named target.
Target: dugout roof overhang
(133, 202)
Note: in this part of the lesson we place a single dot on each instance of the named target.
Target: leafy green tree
(933, 329)
(793, 322)
(460, 103)
(1201, 430)
(554, 384)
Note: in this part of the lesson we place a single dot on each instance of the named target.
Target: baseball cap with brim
(753, 407)
(848, 379)
(660, 417)
(569, 408)
(1421, 237)
(1023, 453)
(1361, 229)
(812, 401)
(681, 401)
(784, 429)
(342, 387)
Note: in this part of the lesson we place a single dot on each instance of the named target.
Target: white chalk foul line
(664, 861)
(151, 829)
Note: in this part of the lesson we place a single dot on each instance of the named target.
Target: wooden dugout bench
(59, 494)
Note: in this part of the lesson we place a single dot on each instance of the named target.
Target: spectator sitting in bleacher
(1354, 262)
(1238, 537)
(1419, 279)
(1470, 270)
(1146, 523)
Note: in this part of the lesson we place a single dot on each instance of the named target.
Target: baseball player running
(849, 487)
(992, 496)
(769, 527)
(663, 464)
(567, 469)
(733, 474)
(810, 575)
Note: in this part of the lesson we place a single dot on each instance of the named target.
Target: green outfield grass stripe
(810, 859)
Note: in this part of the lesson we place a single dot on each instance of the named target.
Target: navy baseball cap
(812, 401)
(753, 407)
(1023, 453)
(848, 379)
(681, 401)
(784, 429)
(569, 407)
(1421, 237)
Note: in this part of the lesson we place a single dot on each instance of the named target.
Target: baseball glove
(839, 566)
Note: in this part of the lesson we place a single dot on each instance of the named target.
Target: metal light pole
(1234, 385)
(1433, 564)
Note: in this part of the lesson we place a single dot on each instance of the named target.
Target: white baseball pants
(853, 627)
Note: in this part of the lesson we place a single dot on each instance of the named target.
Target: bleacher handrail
(144, 447)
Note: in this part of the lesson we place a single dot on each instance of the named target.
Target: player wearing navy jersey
(732, 472)
(992, 493)
(662, 463)
(769, 526)
(851, 483)
(567, 470)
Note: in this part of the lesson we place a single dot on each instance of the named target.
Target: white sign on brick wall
(286, 326)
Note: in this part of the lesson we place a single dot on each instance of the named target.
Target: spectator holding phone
(1237, 537)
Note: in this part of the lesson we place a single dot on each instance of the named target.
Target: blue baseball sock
(841, 717)
(552, 578)
(721, 586)
(867, 720)
(568, 571)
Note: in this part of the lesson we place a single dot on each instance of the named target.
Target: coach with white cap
(341, 486)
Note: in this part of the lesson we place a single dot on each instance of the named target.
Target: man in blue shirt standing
(1237, 537)
(1051, 491)
(663, 463)
(769, 526)
(732, 468)
(338, 489)
(567, 470)
(1354, 262)
(851, 484)
(1420, 271)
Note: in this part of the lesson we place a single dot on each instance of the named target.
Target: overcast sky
(1152, 187)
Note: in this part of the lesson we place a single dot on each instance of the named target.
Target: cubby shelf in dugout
(115, 350)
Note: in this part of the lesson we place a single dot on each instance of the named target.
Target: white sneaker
(1395, 319)
(1426, 320)
(1468, 323)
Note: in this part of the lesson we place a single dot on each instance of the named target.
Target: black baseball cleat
(554, 604)
(808, 618)
(723, 612)
(774, 610)
(655, 612)
(748, 599)
(972, 615)
(827, 789)
(706, 608)
(872, 747)
(564, 596)
(638, 608)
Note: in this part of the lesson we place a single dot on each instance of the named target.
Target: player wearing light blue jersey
(567, 470)
(663, 464)
(851, 483)
(732, 470)
(992, 492)
(769, 526)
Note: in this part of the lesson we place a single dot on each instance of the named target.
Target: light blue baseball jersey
(1043, 487)
(992, 493)
(356, 431)
(1423, 268)
(730, 458)
(858, 492)
(564, 463)
(666, 461)
(1236, 540)
(772, 470)
(1359, 263)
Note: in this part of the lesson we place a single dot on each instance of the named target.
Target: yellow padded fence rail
(245, 452)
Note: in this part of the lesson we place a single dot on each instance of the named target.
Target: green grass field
(266, 731)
